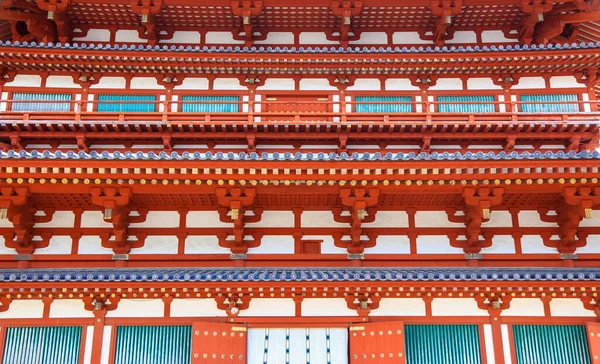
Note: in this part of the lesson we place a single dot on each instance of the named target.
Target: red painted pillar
(99, 317)
(497, 335)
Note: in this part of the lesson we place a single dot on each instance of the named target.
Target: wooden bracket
(345, 9)
(233, 303)
(363, 303)
(97, 302)
(342, 82)
(247, 9)
(423, 82)
(252, 81)
(149, 29)
(360, 203)
(493, 303)
(444, 10)
(236, 202)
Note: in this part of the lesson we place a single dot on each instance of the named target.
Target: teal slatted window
(387, 104)
(210, 103)
(126, 103)
(551, 344)
(448, 344)
(40, 102)
(468, 104)
(549, 103)
(153, 345)
(57, 344)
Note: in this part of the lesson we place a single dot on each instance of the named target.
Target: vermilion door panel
(377, 343)
(218, 343)
(286, 107)
(593, 331)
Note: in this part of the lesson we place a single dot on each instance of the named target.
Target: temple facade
(286, 182)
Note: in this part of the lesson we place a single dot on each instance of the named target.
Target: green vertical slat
(538, 104)
(389, 104)
(448, 344)
(47, 102)
(551, 344)
(28, 345)
(473, 104)
(153, 344)
(196, 103)
(126, 103)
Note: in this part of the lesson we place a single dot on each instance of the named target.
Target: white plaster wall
(436, 245)
(389, 219)
(274, 244)
(145, 83)
(572, 307)
(59, 219)
(318, 84)
(499, 219)
(89, 339)
(320, 219)
(463, 37)
(390, 244)
(57, 245)
(447, 84)
(228, 84)
(204, 245)
(434, 219)
(24, 309)
(159, 219)
(594, 221)
(400, 307)
(61, 81)
(106, 344)
(456, 307)
(286, 84)
(525, 307)
(532, 219)
(5, 223)
(488, 338)
(195, 307)
(4, 249)
(138, 308)
(92, 245)
(128, 36)
(482, 84)
(326, 307)
(409, 38)
(26, 81)
(110, 82)
(95, 35)
(221, 38)
(366, 84)
(68, 308)
(533, 244)
(565, 82)
(327, 246)
(158, 245)
(495, 36)
(315, 38)
(506, 344)
(270, 307)
(399, 84)
(193, 84)
(371, 38)
(201, 219)
(275, 219)
(190, 37)
(278, 38)
(592, 246)
(530, 82)
(501, 244)
(92, 219)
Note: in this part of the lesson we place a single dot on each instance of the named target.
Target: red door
(218, 343)
(593, 331)
(377, 343)
(304, 107)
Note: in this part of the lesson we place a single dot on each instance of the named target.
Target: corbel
(246, 9)
(506, 81)
(235, 203)
(561, 25)
(573, 144)
(589, 78)
(576, 204)
(589, 303)
(363, 303)
(476, 211)
(252, 82)
(444, 10)
(149, 29)
(5, 303)
(116, 204)
(423, 82)
(57, 11)
(86, 80)
(16, 143)
(6, 75)
(342, 82)
(425, 143)
(16, 206)
(493, 303)
(39, 27)
(509, 143)
(535, 10)
(251, 140)
(83, 143)
(167, 142)
(233, 303)
(345, 9)
(101, 302)
(169, 81)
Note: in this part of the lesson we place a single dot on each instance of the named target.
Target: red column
(497, 335)
(99, 316)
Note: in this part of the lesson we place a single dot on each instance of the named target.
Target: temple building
(299, 182)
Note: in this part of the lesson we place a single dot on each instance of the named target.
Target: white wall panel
(59, 219)
(529, 83)
(394, 219)
(436, 245)
(316, 84)
(447, 84)
(565, 82)
(495, 36)
(193, 84)
(315, 38)
(221, 38)
(277, 38)
(371, 38)
(26, 81)
(95, 35)
(525, 307)
(157, 244)
(533, 244)
(195, 307)
(128, 36)
(145, 83)
(61, 81)
(400, 307)
(275, 219)
(594, 221)
(106, 344)
(228, 84)
(57, 245)
(139, 308)
(92, 219)
(434, 219)
(409, 38)
(499, 219)
(110, 82)
(270, 307)
(286, 84)
(24, 309)
(569, 307)
(592, 246)
(204, 245)
(399, 84)
(456, 307)
(89, 339)
(92, 245)
(532, 219)
(463, 37)
(482, 84)
(201, 219)
(320, 219)
(159, 219)
(326, 307)
(390, 244)
(190, 37)
(488, 338)
(274, 244)
(69, 308)
(501, 244)
(4, 249)
(364, 84)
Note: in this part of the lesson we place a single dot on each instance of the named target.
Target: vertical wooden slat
(153, 344)
(448, 344)
(551, 344)
(56, 344)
